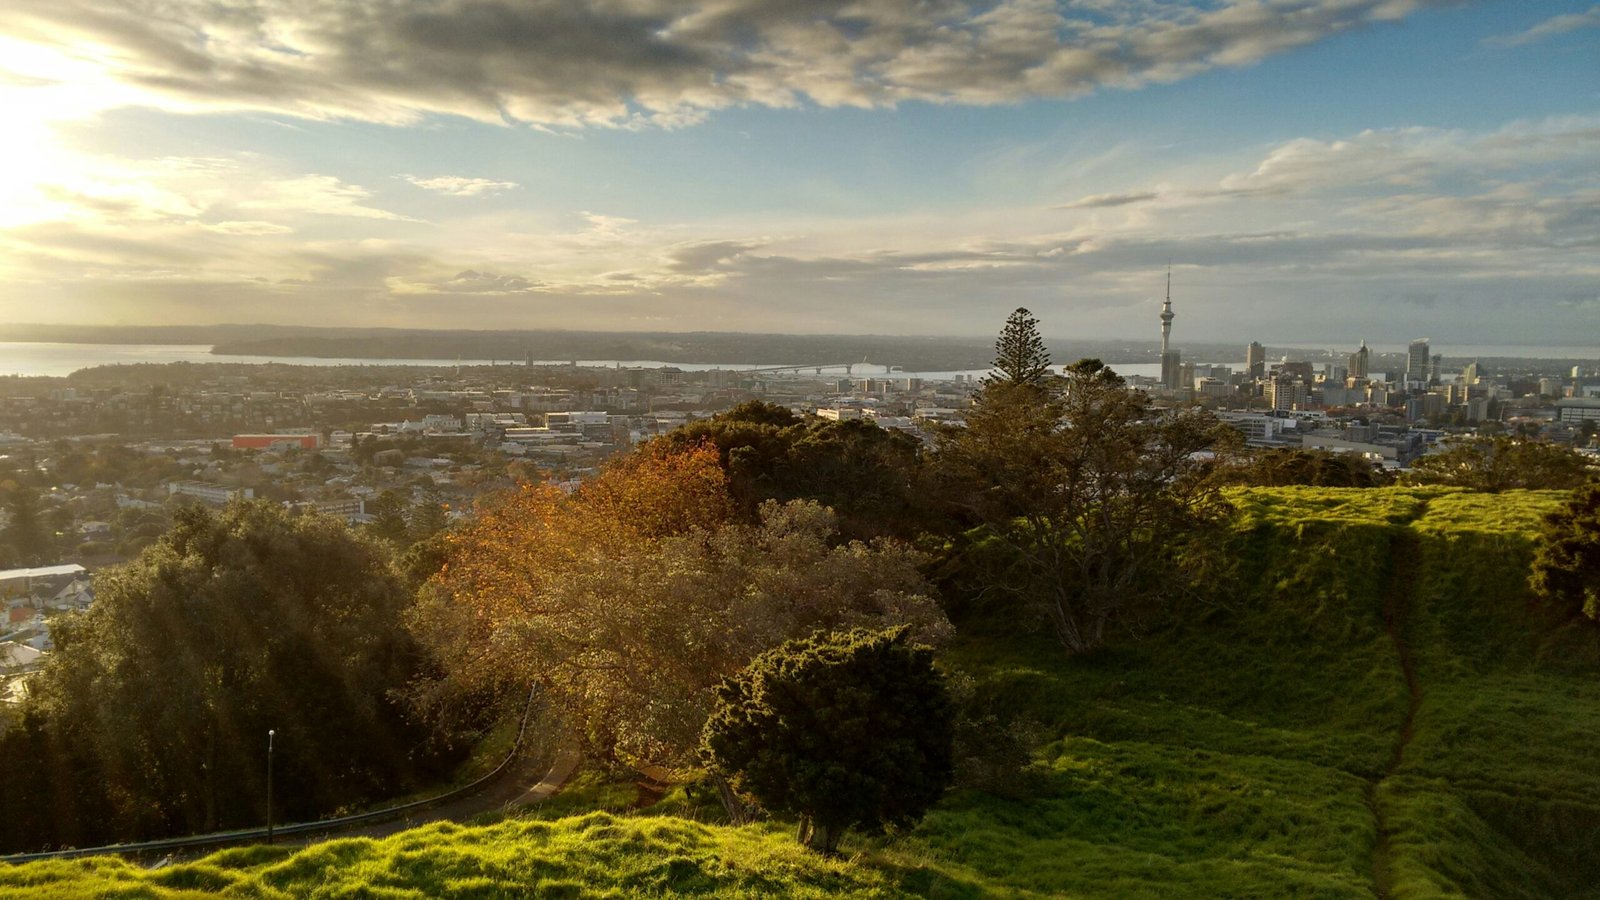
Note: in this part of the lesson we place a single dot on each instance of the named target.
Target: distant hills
(911, 353)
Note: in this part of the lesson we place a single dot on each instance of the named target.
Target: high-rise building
(1417, 360)
(1470, 374)
(1286, 392)
(1436, 368)
(1361, 362)
(1255, 359)
(1299, 368)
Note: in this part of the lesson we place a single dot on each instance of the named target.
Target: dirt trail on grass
(1397, 592)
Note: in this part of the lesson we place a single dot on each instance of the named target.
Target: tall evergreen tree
(1019, 353)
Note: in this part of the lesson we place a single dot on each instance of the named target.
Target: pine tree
(1019, 354)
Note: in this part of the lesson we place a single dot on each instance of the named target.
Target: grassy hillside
(1372, 705)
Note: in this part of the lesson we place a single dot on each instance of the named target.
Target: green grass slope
(583, 856)
(1256, 748)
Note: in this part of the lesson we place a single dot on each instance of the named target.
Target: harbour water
(56, 359)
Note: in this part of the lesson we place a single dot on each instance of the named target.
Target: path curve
(504, 787)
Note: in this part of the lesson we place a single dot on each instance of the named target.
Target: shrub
(844, 730)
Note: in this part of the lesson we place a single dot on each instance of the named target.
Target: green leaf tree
(389, 523)
(844, 730)
(1502, 463)
(869, 476)
(1019, 353)
(27, 534)
(230, 624)
(1284, 466)
(1566, 566)
(1092, 494)
(429, 516)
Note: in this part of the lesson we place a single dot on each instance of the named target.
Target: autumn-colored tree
(628, 600)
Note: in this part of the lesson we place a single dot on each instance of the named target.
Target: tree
(389, 523)
(1566, 566)
(628, 601)
(868, 475)
(1094, 496)
(1019, 353)
(1282, 466)
(429, 516)
(1502, 463)
(27, 533)
(230, 624)
(843, 730)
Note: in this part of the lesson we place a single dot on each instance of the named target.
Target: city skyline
(1315, 170)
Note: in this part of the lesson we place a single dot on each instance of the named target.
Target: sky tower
(1171, 362)
(1167, 315)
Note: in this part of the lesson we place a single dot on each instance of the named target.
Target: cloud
(564, 63)
(1382, 160)
(706, 255)
(1101, 201)
(473, 282)
(251, 228)
(1500, 226)
(458, 186)
(224, 194)
(1549, 28)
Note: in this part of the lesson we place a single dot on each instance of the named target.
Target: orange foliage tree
(629, 600)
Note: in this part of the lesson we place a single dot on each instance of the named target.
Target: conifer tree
(1019, 354)
(848, 729)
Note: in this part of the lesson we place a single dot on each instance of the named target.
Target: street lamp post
(270, 733)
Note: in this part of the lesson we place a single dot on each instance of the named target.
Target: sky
(1310, 170)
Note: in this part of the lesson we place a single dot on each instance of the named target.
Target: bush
(1566, 569)
(851, 729)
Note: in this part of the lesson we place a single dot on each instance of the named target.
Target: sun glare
(40, 87)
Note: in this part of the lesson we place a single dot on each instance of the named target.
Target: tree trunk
(739, 812)
(822, 838)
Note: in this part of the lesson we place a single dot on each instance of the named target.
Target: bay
(27, 358)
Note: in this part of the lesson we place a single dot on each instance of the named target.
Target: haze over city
(1315, 170)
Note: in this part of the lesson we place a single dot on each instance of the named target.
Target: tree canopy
(1566, 566)
(843, 730)
(1502, 463)
(1282, 466)
(155, 706)
(869, 476)
(1090, 491)
(628, 600)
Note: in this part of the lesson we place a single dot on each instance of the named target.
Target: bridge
(816, 368)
